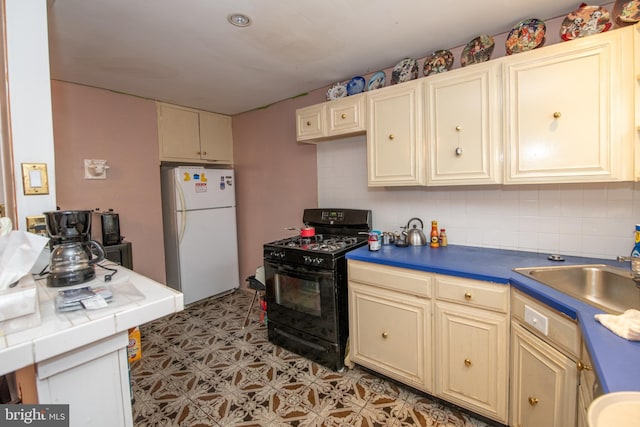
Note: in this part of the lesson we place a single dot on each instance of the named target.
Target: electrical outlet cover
(536, 319)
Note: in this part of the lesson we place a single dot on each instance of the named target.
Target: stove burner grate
(318, 243)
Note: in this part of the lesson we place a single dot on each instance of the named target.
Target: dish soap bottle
(435, 242)
(636, 248)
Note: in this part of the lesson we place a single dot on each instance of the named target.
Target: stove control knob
(276, 254)
(312, 260)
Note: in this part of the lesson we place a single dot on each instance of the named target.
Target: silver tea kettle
(415, 236)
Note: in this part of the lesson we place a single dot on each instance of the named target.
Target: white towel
(626, 325)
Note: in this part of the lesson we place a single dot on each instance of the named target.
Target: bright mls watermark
(34, 415)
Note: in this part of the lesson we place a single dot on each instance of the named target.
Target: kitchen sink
(608, 288)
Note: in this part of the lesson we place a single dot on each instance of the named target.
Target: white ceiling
(185, 52)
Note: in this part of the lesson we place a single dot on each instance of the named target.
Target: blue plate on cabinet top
(377, 81)
(355, 85)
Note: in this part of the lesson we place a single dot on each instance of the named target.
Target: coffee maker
(72, 260)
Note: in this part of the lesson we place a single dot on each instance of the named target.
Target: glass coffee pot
(72, 259)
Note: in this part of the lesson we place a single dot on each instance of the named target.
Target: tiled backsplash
(594, 220)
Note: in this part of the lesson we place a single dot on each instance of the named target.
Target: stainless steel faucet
(635, 266)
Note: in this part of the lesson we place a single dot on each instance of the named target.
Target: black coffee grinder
(72, 260)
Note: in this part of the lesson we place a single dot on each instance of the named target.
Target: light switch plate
(536, 319)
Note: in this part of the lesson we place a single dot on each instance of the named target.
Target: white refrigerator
(200, 242)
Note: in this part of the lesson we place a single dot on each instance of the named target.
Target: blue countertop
(615, 359)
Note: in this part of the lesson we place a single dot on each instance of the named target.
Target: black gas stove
(337, 231)
(306, 281)
(320, 250)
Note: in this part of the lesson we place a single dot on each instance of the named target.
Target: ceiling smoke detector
(239, 20)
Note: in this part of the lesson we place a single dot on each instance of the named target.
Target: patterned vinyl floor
(200, 368)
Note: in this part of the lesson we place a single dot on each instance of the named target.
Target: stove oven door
(304, 298)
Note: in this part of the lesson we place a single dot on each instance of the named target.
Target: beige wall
(276, 176)
(91, 123)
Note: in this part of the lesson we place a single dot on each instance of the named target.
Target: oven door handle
(299, 271)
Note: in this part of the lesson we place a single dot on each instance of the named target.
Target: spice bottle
(443, 237)
(374, 241)
(435, 243)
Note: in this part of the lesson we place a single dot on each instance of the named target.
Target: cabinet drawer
(563, 331)
(399, 279)
(310, 122)
(473, 292)
(346, 115)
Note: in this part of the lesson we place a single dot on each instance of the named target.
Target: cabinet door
(543, 383)
(569, 111)
(588, 388)
(216, 138)
(395, 148)
(472, 359)
(346, 115)
(463, 126)
(178, 133)
(310, 123)
(390, 332)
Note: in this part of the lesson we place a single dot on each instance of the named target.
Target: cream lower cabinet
(188, 135)
(589, 387)
(396, 153)
(462, 126)
(390, 322)
(569, 111)
(543, 382)
(545, 345)
(471, 345)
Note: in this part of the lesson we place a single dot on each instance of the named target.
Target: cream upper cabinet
(311, 123)
(462, 126)
(543, 382)
(216, 139)
(395, 146)
(189, 135)
(471, 345)
(390, 322)
(340, 117)
(569, 111)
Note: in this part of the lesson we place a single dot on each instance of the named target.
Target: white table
(80, 357)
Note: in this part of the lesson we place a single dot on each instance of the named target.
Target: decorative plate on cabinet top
(526, 35)
(439, 62)
(377, 81)
(585, 21)
(630, 12)
(477, 50)
(338, 90)
(405, 70)
(355, 85)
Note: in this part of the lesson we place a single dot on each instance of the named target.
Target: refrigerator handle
(181, 209)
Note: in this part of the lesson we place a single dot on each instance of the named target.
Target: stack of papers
(86, 297)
